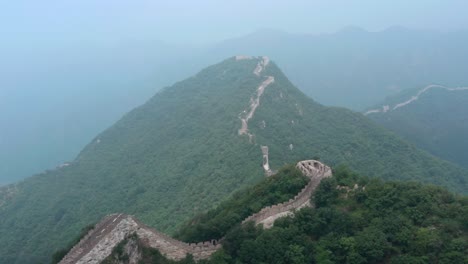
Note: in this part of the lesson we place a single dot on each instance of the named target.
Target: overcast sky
(203, 21)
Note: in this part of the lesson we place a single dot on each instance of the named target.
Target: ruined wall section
(315, 171)
(113, 229)
(90, 240)
(254, 101)
(173, 248)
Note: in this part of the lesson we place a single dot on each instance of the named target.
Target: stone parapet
(315, 171)
(113, 229)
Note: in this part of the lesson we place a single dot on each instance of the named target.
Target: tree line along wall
(99, 242)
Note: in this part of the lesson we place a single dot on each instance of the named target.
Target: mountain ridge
(181, 153)
(413, 98)
(433, 118)
(356, 67)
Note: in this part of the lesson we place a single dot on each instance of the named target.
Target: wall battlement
(113, 229)
(99, 242)
(315, 171)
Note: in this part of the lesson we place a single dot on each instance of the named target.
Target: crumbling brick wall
(99, 242)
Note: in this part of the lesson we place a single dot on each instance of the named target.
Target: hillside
(354, 220)
(113, 231)
(194, 144)
(435, 118)
(357, 220)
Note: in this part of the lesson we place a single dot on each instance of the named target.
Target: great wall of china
(254, 102)
(388, 108)
(113, 229)
(315, 171)
(247, 114)
(107, 234)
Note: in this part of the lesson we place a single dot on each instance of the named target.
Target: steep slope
(353, 220)
(435, 118)
(192, 145)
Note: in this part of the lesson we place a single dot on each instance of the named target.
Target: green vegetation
(359, 220)
(180, 154)
(351, 68)
(215, 223)
(391, 222)
(437, 122)
(60, 254)
(340, 136)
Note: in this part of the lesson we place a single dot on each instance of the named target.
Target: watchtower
(266, 165)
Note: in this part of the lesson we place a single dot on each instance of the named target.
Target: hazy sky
(201, 21)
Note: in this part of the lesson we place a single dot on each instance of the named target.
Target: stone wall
(93, 237)
(100, 241)
(173, 248)
(315, 171)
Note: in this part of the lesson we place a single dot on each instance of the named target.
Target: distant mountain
(194, 144)
(435, 118)
(355, 68)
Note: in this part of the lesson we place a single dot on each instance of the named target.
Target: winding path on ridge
(247, 114)
(387, 108)
(113, 229)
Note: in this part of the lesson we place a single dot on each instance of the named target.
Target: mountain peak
(352, 30)
(263, 61)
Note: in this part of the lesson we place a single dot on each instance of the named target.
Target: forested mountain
(193, 144)
(355, 220)
(85, 88)
(435, 118)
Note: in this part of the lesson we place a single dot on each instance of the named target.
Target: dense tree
(180, 154)
(359, 220)
(436, 122)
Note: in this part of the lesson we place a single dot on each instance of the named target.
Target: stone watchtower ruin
(266, 164)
